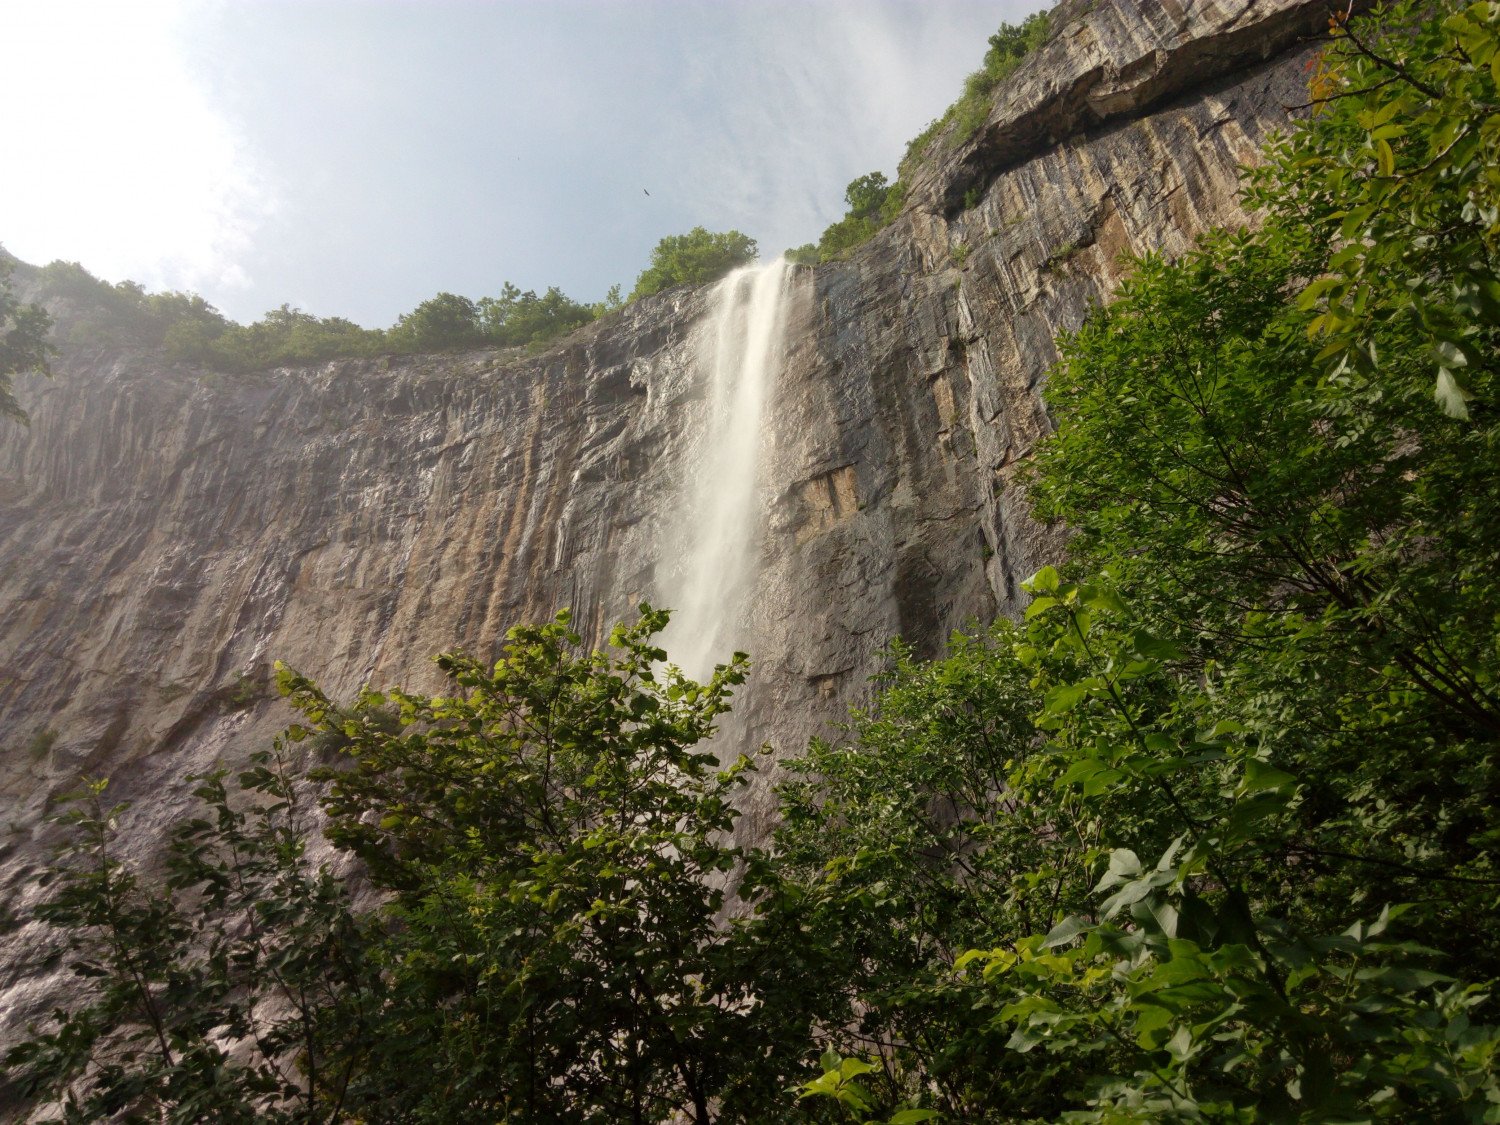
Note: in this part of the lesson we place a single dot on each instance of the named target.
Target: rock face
(165, 533)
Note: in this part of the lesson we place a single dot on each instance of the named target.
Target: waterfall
(708, 562)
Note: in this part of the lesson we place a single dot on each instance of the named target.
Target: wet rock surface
(166, 533)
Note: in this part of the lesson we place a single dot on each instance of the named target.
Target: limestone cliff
(166, 533)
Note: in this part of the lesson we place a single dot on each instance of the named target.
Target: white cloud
(117, 154)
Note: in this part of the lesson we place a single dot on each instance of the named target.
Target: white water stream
(708, 562)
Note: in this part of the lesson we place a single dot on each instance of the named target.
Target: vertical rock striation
(165, 533)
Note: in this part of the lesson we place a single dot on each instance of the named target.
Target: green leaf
(1102, 782)
(1064, 697)
(1452, 395)
(1039, 606)
(1065, 931)
(1102, 598)
(1081, 770)
(1261, 778)
(1043, 581)
(854, 1067)
(1123, 864)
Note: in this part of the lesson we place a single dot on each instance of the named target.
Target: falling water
(709, 558)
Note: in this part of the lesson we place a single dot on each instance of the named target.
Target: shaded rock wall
(165, 532)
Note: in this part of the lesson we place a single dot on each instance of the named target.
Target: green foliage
(866, 195)
(692, 259)
(206, 989)
(1403, 167)
(1007, 47)
(553, 853)
(446, 322)
(1263, 779)
(916, 148)
(873, 203)
(804, 255)
(95, 313)
(614, 301)
(1245, 968)
(187, 328)
(841, 1083)
(1289, 679)
(249, 689)
(515, 318)
(841, 237)
(40, 744)
(283, 337)
(556, 849)
(905, 845)
(1061, 256)
(23, 341)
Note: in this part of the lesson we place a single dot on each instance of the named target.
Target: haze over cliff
(166, 533)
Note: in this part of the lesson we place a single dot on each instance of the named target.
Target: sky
(354, 157)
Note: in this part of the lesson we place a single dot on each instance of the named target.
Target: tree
(556, 848)
(282, 336)
(1233, 964)
(188, 328)
(1271, 670)
(125, 315)
(694, 258)
(866, 195)
(1264, 689)
(443, 323)
(1402, 168)
(23, 341)
(899, 848)
(614, 301)
(552, 847)
(218, 989)
(515, 317)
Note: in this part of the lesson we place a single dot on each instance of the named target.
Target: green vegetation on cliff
(186, 327)
(1212, 835)
(873, 202)
(694, 258)
(962, 119)
(23, 340)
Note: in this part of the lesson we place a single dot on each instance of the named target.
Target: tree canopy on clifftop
(23, 340)
(694, 258)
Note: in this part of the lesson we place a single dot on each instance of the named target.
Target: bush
(443, 323)
(283, 337)
(188, 328)
(552, 847)
(873, 203)
(1007, 47)
(516, 318)
(23, 341)
(694, 258)
(97, 313)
